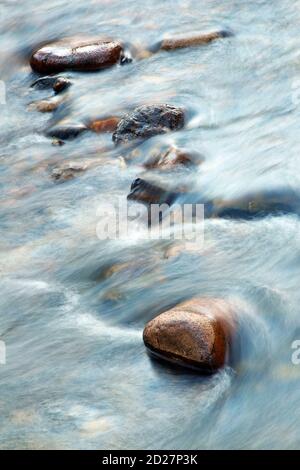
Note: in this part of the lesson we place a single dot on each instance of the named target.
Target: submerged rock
(44, 106)
(196, 334)
(147, 121)
(68, 171)
(171, 158)
(104, 125)
(75, 54)
(44, 83)
(250, 206)
(148, 193)
(58, 84)
(170, 44)
(66, 131)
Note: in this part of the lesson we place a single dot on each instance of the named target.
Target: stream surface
(73, 307)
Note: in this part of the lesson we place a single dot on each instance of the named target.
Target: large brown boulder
(147, 121)
(75, 54)
(196, 334)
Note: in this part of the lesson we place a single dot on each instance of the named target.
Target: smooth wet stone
(104, 125)
(170, 44)
(195, 334)
(66, 131)
(75, 54)
(147, 121)
(68, 171)
(60, 84)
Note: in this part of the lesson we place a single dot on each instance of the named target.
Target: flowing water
(76, 373)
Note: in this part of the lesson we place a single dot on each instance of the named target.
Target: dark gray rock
(66, 131)
(147, 121)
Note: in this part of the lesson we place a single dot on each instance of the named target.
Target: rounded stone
(194, 334)
(74, 54)
(60, 84)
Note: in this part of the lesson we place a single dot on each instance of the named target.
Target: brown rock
(75, 54)
(167, 160)
(44, 106)
(197, 40)
(196, 333)
(148, 193)
(147, 121)
(104, 125)
(60, 84)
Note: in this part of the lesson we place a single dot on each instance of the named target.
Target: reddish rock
(196, 334)
(104, 125)
(75, 54)
(147, 121)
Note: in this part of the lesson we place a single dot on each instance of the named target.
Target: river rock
(147, 193)
(167, 160)
(58, 84)
(44, 106)
(68, 171)
(75, 54)
(104, 125)
(66, 131)
(147, 121)
(44, 83)
(196, 334)
(170, 44)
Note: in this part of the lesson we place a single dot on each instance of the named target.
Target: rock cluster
(196, 333)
